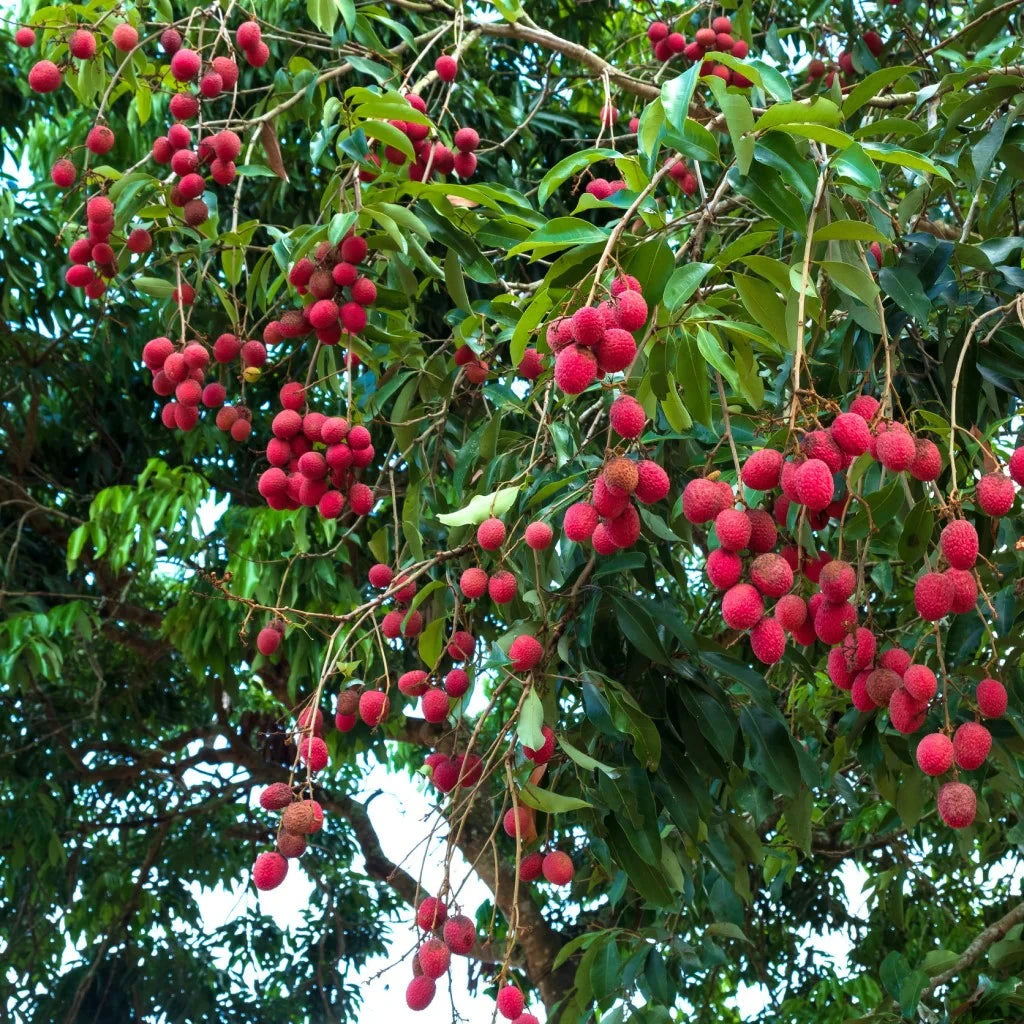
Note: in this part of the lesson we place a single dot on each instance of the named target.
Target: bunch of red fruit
(845, 71)
(716, 39)
(93, 259)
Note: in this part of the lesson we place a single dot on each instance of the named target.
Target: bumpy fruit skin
(733, 529)
(881, 684)
(991, 697)
(818, 444)
(815, 487)
(269, 871)
(851, 432)
(894, 447)
(905, 713)
(268, 640)
(724, 568)
(742, 607)
(420, 993)
(621, 474)
(24, 37)
(373, 707)
(995, 494)
(447, 67)
(859, 648)
(838, 669)
(434, 704)
(833, 620)
(1016, 466)
(927, 464)
(957, 804)
(959, 543)
(473, 583)
(965, 590)
(935, 754)
(615, 351)
(539, 536)
(313, 752)
(627, 417)
(771, 574)
(859, 693)
(580, 521)
(531, 366)
(652, 484)
(558, 868)
(920, 682)
(587, 326)
(791, 611)
(838, 580)
(459, 934)
(703, 499)
(502, 587)
(971, 744)
(761, 470)
(290, 845)
(434, 958)
(44, 76)
(530, 867)
(431, 914)
(490, 534)
(896, 659)
(630, 310)
(510, 1002)
(768, 640)
(763, 535)
(525, 652)
(276, 797)
(380, 576)
(575, 369)
(933, 596)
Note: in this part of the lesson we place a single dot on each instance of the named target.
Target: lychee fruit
(933, 596)
(652, 483)
(269, 870)
(703, 499)
(763, 535)
(1016, 466)
(419, 993)
(44, 76)
(473, 583)
(761, 470)
(543, 753)
(957, 804)
(434, 705)
(627, 418)
(511, 1002)
(833, 620)
(927, 464)
(733, 529)
(995, 494)
(851, 433)
(615, 351)
(896, 659)
(459, 934)
(557, 868)
(434, 958)
(276, 797)
(894, 446)
(575, 369)
(531, 366)
(431, 914)
(971, 744)
(630, 310)
(991, 698)
(621, 474)
(490, 534)
(791, 611)
(838, 580)
(580, 521)
(539, 535)
(959, 543)
(290, 845)
(724, 568)
(815, 487)
(502, 587)
(373, 707)
(313, 752)
(447, 67)
(525, 652)
(935, 754)
(965, 590)
(920, 682)
(771, 574)
(742, 606)
(768, 640)
(905, 713)
(881, 684)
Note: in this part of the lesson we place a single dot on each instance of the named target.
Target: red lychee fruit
(859, 693)
(995, 494)
(1016, 466)
(965, 590)
(248, 35)
(502, 587)
(733, 529)
(933, 596)
(530, 867)
(313, 752)
(991, 698)
(957, 804)
(276, 797)
(833, 620)
(905, 713)
(490, 534)
(414, 683)
(456, 683)
(873, 41)
(971, 744)
(838, 580)
(360, 498)
(24, 37)
(587, 326)
(461, 646)
(543, 753)
(525, 652)
(447, 67)
(768, 640)
(419, 993)
(44, 76)
(473, 583)
(881, 684)
(724, 568)
(791, 611)
(531, 366)
(771, 574)
(380, 576)
(624, 530)
(763, 535)
(373, 707)
(520, 818)
(851, 433)
(896, 659)
(761, 470)
(627, 417)
(434, 958)
(703, 499)
(652, 484)
(539, 535)
(82, 44)
(859, 648)
(815, 487)
(935, 754)
(575, 369)
(268, 640)
(742, 606)
(557, 868)
(290, 845)
(431, 914)
(959, 543)
(434, 705)
(63, 173)
(185, 65)
(818, 444)
(894, 446)
(920, 682)
(511, 1002)
(268, 871)
(580, 521)
(459, 934)
(838, 670)
(630, 310)
(927, 464)
(615, 351)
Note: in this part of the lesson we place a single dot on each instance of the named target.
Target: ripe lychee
(935, 754)
(539, 535)
(434, 705)
(615, 351)
(575, 369)
(965, 590)
(290, 845)
(771, 574)
(24, 37)
(957, 804)
(971, 744)
(933, 596)
(833, 620)
(761, 470)
(991, 698)
(490, 534)
(920, 682)
(525, 652)
(269, 871)
(414, 683)
(703, 499)
(558, 868)
(815, 487)
(419, 993)
(456, 683)
(763, 535)
(511, 1002)
(818, 444)
(838, 580)
(374, 707)
(502, 587)
(313, 752)
(630, 310)
(380, 576)
(733, 529)
(44, 76)
(905, 713)
(859, 648)
(851, 433)
(881, 684)
(894, 446)
(447, 67)
(927, 462)
(838, 670)
(628, 419)
(587, 325)
(531, 366)
(768, 640)
(580, 521)
(959, 543)
(543, 753)
(742, 606)
(791, 611)
(652, 483)
(995, 494)
(459, 934)
(434, 958)
(299, 818)
(473, 583)
(896, 659)
(624, 530)
(621, 474)
(276, 797)
(1016, 466)
(724, 568)
(431, 914)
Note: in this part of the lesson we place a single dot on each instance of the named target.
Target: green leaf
(770, 750)
(559, 233)
(901, 284)
(481, 507)
(155, 286)
(683, 283)
(917, 532)
(605, 971)
(873, 85)
(531, 718)
(882, 152)
(726, 930)
(454, 281)
(739, 120)
(676, 95)
(567, 167)
(585, 761)
(764, 306)
(819, 111)
(431, 640)
(652, 121)
(76, 542)
(639, 628)
(390, 136)
(672, 406)
(848, 231)
(765, 188)
(855, 281)
(551, 803)
(855, 165)
(528, 323)
(819, 133)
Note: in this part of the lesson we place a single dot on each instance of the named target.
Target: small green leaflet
(482, 507)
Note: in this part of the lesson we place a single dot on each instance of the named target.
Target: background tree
(824, 207)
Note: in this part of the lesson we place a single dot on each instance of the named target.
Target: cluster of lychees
(180, 371)
(301, 817)
(314, 458)
(809, 480)
(93, 259)
(716, 39)
(845, 71)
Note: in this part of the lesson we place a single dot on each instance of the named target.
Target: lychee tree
(608, 423)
